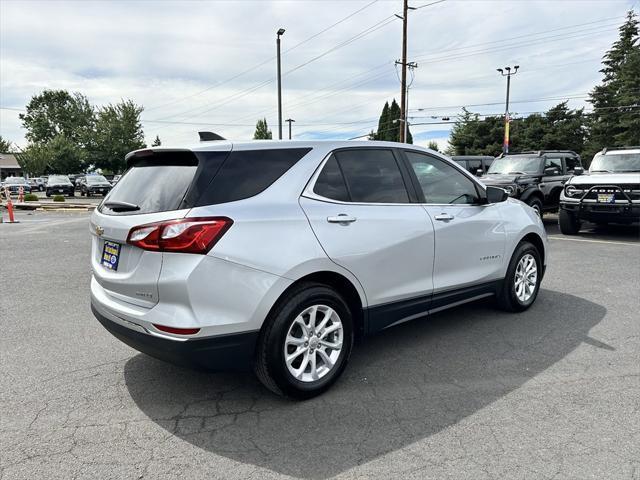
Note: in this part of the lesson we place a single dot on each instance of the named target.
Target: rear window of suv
(175, 180)
(154, 184)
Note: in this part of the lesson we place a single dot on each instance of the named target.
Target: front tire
(522, 282)
(305, 343)
(536, 204)
(569, 223)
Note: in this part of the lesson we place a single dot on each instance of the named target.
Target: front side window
(554, 163)
(440, 182)
(372, 176)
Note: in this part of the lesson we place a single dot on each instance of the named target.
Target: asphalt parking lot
(473, 393)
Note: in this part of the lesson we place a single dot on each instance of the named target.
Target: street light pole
(278, 34)
(289, 120)
(505, 144)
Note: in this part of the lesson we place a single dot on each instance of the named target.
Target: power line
(382, 23)
(269, 60)
(501, 48)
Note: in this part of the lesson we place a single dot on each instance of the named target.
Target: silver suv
(276, 255)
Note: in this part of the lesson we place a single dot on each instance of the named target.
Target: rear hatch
(158, 185)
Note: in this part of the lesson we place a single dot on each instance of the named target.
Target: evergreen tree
(389, 124)
(383, 123)
(156, 142)
(433, 145)
(615, 121)
(262, 131)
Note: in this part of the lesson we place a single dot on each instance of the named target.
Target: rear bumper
(232, 352)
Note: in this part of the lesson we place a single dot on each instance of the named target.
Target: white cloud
(156, 52)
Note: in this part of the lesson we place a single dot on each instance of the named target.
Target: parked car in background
(536, 178)
(94, 185)
(37, 183)
(115, 179)
(477, 165)
(74, 179)
(59, 185)
(609, 193)
(277, 255)
(14, 184)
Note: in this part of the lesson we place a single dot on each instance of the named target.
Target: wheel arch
(532, 193)
(340, 284)
(537, 241)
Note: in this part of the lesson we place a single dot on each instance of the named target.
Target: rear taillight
(184, 235)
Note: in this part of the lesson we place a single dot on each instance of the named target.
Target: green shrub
(58, 198)
(30, 197)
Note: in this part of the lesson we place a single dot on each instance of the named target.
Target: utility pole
(289, 121)
(505, 144)
(278, 34)
(403, 62)
(403, 82)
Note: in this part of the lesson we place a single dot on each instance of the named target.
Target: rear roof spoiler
(209, 136)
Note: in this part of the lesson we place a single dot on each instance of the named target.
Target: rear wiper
(121, 206)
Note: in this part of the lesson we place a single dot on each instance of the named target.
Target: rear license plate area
(110, 255)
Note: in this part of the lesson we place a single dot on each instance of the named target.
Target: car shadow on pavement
(401, 386)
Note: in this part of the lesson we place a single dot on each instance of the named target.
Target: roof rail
(627, 147)
(209, 136)
(541, 152)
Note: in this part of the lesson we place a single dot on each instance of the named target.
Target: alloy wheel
(313, 343)
(526, 277)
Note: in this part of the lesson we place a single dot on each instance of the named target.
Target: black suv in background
(537, 178)
(477, 165)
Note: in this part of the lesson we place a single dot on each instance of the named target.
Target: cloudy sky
(210, 65)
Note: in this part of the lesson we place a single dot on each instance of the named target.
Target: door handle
(342, 218)
(444, 217)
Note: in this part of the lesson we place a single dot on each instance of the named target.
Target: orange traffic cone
(10, 209)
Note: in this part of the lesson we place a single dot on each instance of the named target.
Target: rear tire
(526, 266)
(304, 322)
(569, 223)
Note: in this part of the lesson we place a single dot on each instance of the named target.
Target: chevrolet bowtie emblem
(99, 230)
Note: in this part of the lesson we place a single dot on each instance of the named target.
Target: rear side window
(372, 176)
(330, 182)
(154, 184)
(246, 173)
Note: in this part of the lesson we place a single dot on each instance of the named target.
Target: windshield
(621, 162)
(96, 179)
(59, 179)
(515, 165)
(14, 180)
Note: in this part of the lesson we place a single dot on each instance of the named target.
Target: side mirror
(496, 195)
(479, 172)
(578, 171)
(551, 171)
